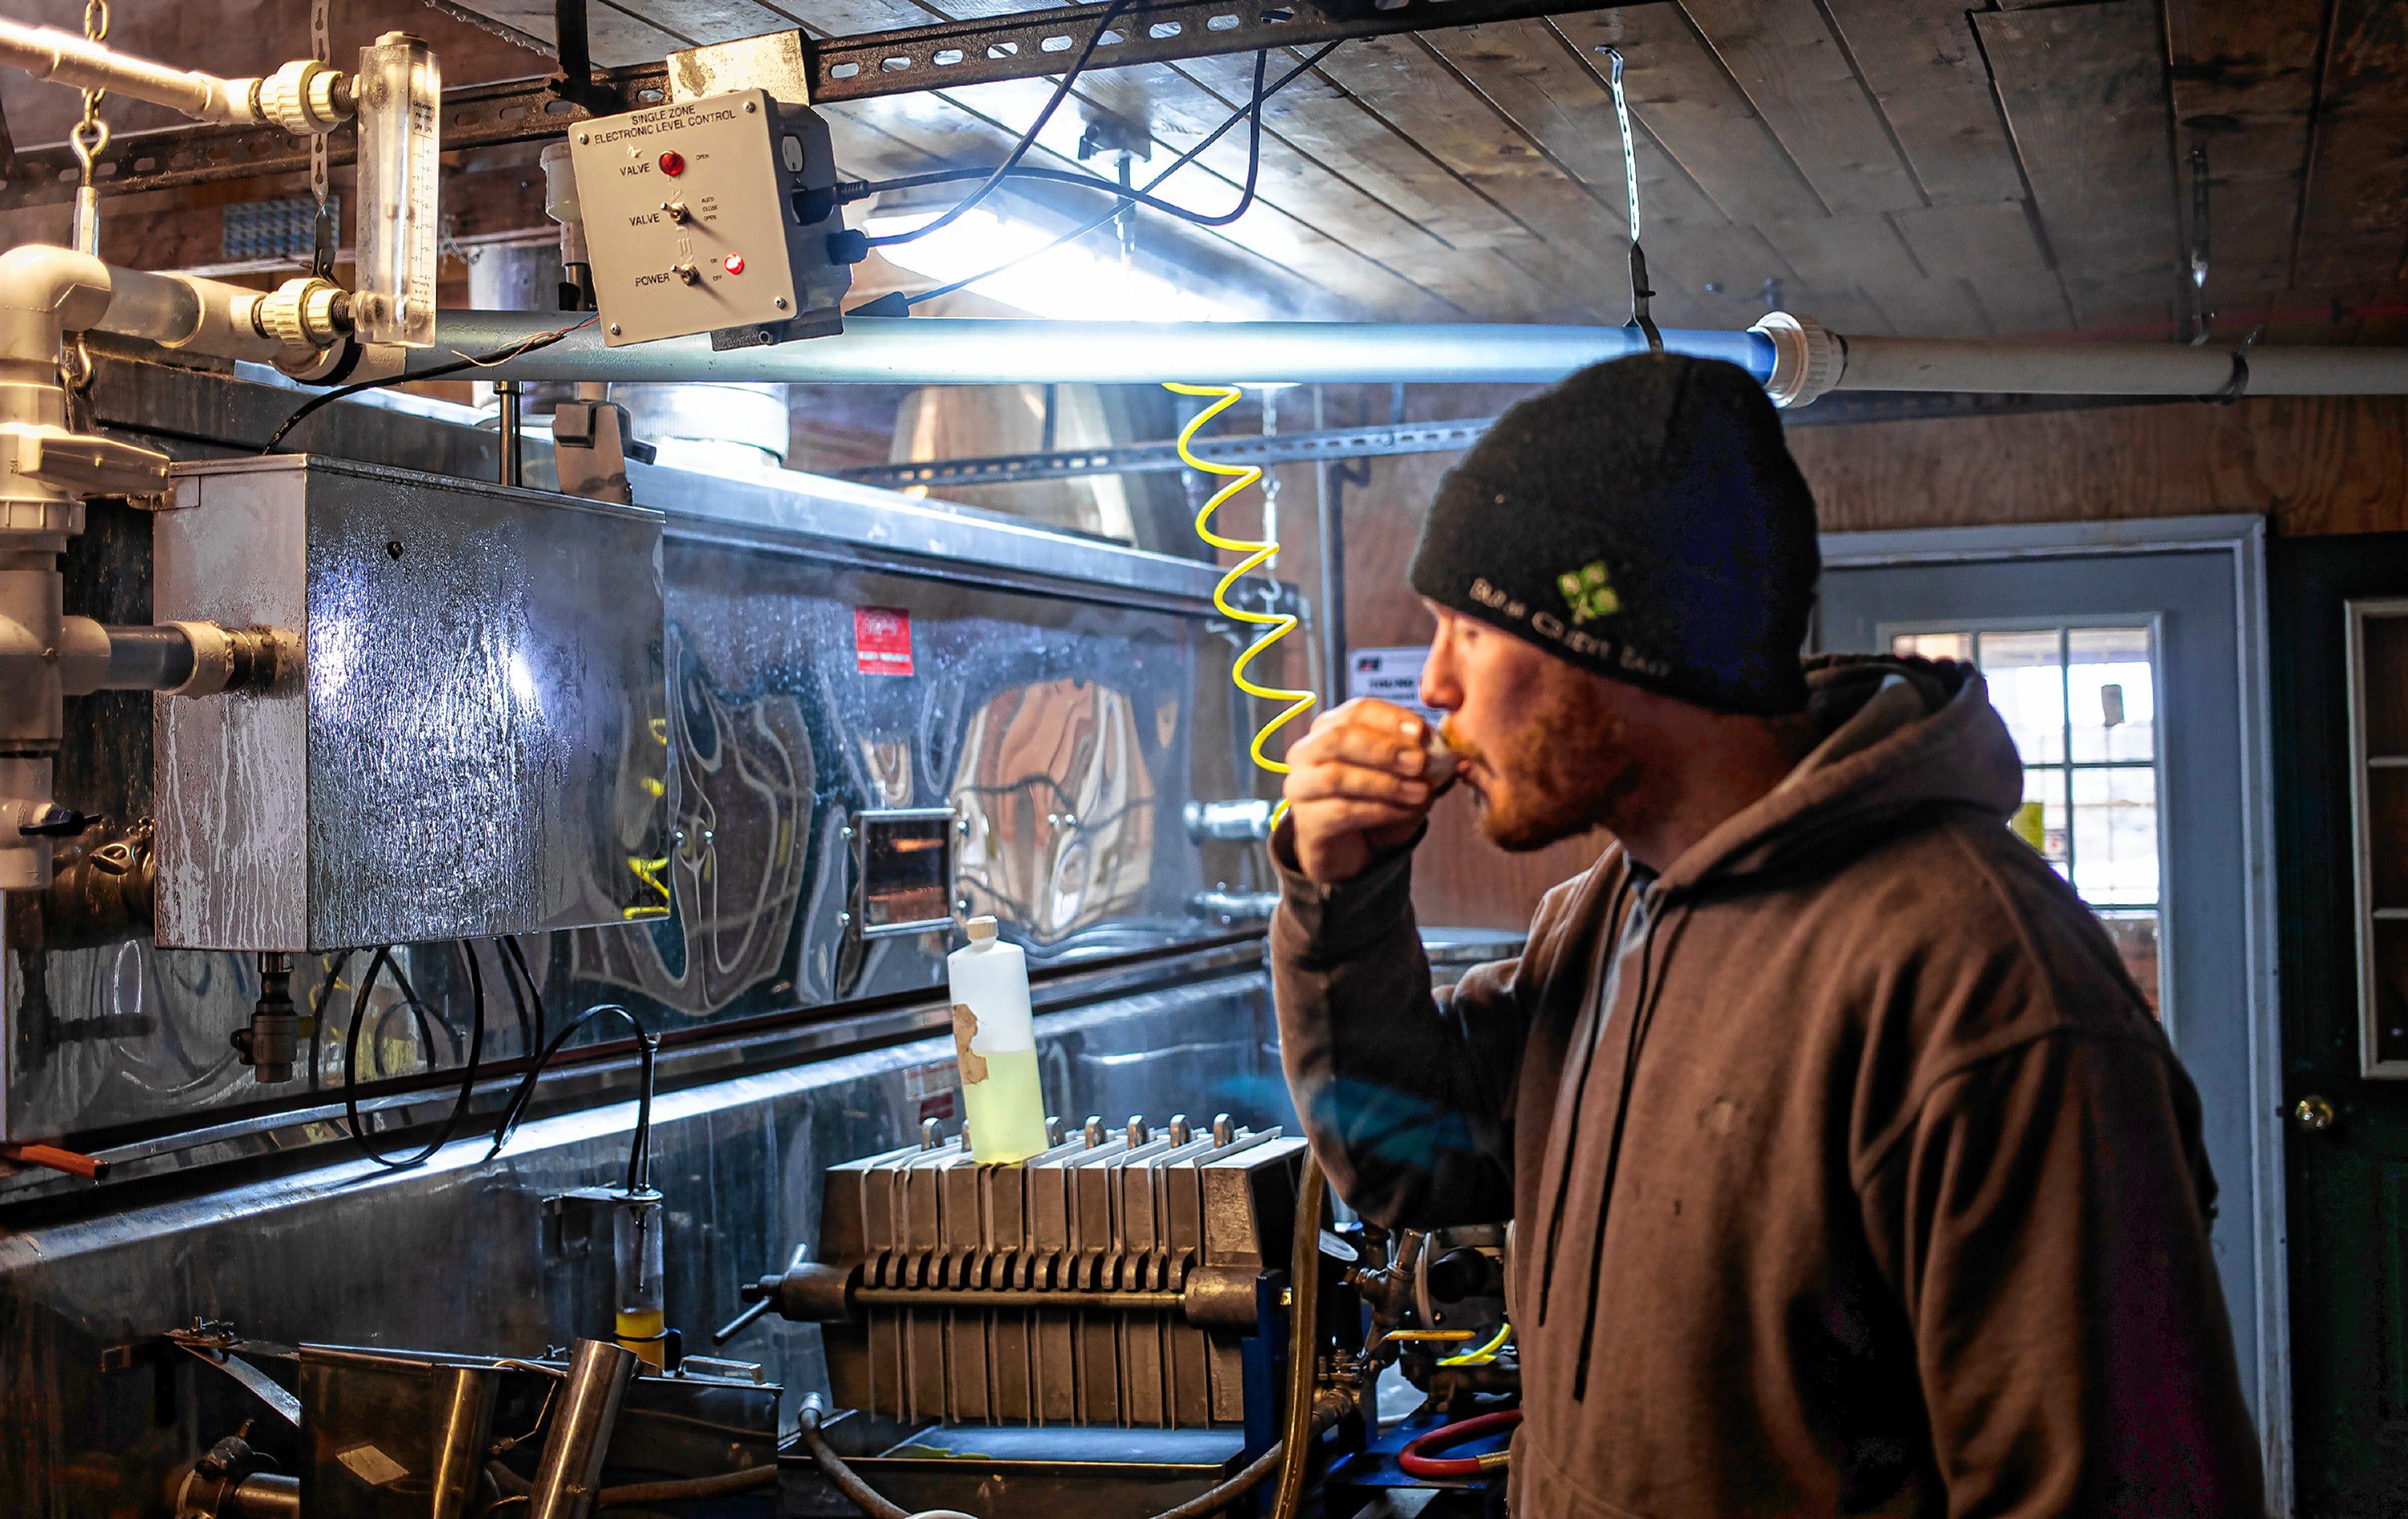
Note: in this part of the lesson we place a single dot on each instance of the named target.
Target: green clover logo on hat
(1588, 592)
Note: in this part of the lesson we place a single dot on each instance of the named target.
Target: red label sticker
(881, 640)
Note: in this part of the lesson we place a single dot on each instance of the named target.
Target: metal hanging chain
(1640, 293)
(322, 237)
(89, 140)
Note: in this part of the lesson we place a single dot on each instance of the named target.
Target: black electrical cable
(528, 1039)
(1123, 193)
(1028, 140)
(639, 1148)
(309, 407)
(376, 964)
(1251, 111)
(516, 956)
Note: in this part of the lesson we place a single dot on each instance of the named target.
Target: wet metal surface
(474, 746)
(457, 1257)
(776, 736)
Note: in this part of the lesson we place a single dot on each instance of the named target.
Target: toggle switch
(688, 273)
(677, 211)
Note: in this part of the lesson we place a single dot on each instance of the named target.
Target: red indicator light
(733, 264)
(673, 164)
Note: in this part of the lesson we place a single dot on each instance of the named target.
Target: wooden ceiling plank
(1805, 89)
(1919, 59)
(1952, 241)
(1415, 94)
(1535, 80)
(616, 37)
(2084, 92)
(2354, 209)
(1836, 257)
(1932, 307)
(2022, 302)
(1687, 102)
(1345, 273)
(1176, 109)
(1324, 122)
(2244, 85)
(1269, 230)
(956, 130)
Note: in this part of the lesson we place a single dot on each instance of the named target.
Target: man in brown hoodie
(1850, 1173)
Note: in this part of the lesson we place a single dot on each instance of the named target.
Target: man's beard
(1557, 774)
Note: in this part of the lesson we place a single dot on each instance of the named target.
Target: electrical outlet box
(712, 215)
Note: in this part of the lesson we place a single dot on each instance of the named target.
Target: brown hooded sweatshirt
(1850, 1172)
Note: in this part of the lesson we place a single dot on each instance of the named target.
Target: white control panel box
(712, 215)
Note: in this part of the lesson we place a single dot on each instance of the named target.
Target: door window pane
(2135, 934)
(1957, 646)
(2044, 789)
(2111, 693)
(2027, 681)
(2115, 836)
(2081, 705)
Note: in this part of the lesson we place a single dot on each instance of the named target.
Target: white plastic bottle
(995, 1041)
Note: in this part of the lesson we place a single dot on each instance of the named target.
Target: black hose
(1304, 1339)
(639, 1148)
(468, 1073)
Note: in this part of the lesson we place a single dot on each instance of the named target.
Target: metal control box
(712, 215)
(476, 744)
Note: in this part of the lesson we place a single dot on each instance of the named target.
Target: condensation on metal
(1069, 697)
(463, 1256)
(471, 749)
(949, 350)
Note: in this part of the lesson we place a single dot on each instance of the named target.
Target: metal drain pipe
(1797, 358)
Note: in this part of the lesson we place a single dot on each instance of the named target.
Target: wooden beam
(1924, 70)
(2084, 92)
(1806, 90)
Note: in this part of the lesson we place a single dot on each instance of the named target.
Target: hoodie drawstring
(1642, 1015)
(1623, 894)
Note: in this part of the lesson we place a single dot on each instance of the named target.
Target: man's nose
(1440, 689)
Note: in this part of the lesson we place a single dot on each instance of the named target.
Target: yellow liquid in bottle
(640, 1330)
(1007, 1110)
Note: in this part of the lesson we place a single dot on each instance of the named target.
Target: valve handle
(59, 822)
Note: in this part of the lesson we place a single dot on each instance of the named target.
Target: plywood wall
(2313, 465)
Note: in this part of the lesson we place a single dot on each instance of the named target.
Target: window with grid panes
(2081, 703)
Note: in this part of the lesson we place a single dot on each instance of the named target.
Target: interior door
(2128, 663)
(2348, 1142)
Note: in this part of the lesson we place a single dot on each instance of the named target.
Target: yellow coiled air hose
(1255, 553)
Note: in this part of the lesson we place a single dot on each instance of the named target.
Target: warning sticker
(881, 640)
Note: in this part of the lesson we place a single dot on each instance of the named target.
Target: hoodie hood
(1896, 736)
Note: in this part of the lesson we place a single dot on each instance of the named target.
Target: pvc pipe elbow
(68, 289)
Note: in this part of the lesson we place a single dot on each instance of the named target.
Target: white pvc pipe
(940, 350)
(932, 351)
(2074, 368)
(67, 59)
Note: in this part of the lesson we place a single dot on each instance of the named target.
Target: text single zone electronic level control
(711, 216)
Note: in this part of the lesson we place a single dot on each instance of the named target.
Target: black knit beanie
(1641, 519)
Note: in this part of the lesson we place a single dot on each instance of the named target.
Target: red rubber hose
(1416, 1461)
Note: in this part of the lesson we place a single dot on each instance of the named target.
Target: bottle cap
(980, 929)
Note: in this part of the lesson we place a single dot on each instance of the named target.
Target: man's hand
(1356, 787)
